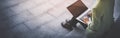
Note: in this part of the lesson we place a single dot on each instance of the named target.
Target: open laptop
(80, 12)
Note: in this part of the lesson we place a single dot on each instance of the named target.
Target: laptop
(80, 12)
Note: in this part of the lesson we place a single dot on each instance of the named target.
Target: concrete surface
(36, 19)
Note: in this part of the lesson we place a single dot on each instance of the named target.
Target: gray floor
(36, 19)
(115, 30)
